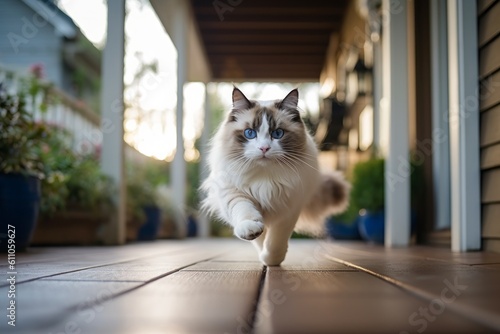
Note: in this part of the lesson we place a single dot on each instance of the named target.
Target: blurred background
(111, 104)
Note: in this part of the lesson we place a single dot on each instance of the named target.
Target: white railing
(68, 113)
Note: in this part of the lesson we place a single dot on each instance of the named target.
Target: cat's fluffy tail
(331, 197)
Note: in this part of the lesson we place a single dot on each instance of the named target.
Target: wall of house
(489, 75)
(26, 39)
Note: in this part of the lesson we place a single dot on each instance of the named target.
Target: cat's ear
(289, 105)
(291, 101)
(240, 101)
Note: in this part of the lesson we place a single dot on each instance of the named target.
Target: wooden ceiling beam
(261, 74)
(265, 49)
(275, 32)
(243, 17)
(276, 3)
(246, 10)
(265, 67)
(231, 38)
(269, 59)
(268, 76)
(265, 44)
(263, 27)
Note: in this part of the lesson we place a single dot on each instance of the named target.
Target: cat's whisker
(287, 164)
(291, 163)
(246, 163)
(301, 152)
(292, 168)
(237, 163)
(299, 159)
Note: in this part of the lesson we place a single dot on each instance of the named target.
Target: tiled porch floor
(218, 286)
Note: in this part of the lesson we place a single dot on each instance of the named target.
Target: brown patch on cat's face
(294, 113)
(233, 115)
(262, 112)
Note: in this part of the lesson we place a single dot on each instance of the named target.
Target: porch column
(464, 126)
(204, 221)
(112, 154)
(395, 85)
(440, 144)
(178, 171)
(377, 94)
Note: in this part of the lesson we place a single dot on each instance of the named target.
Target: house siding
(489, 76)
(41, 44)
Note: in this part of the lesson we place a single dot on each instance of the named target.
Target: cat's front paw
(248, 229)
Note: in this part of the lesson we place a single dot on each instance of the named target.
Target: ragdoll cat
(264, 179)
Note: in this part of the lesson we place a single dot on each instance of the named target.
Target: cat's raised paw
(248, 229)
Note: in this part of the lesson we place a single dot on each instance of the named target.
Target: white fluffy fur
(264, 198)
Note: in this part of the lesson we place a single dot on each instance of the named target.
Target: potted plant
(150, 212)
(143, 212)
(76, 198)
(168, 213)
(20, 169)
(152, 224)
(57, 159)
(368, 194)
(344, 226)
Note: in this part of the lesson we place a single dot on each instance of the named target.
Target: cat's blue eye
(250, 133)
(277, 134)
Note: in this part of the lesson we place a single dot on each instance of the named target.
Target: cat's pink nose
(264, 149)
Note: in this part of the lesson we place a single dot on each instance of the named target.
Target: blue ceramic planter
(341, 230)
(371, 226)
(192, 226)
(19, 205)
(149, 230)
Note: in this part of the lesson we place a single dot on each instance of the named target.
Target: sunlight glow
(366, 128)
(309, 93)
(327, 88)
(151, 99)
(91, 18)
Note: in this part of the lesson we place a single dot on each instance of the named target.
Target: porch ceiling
(267, 40)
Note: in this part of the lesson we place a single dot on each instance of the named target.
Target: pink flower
(37, 70)
(97, 151)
